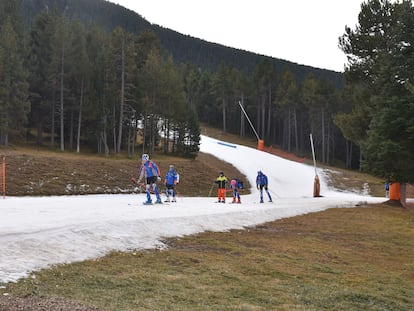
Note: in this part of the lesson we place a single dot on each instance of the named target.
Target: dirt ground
(8, 303)
(36, 172)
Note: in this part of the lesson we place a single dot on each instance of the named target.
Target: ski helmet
(221, 173)
(171, 167)
(145, 157)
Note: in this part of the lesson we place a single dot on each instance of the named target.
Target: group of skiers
(151, 172)
(236, 185)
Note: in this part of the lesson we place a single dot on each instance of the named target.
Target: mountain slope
(185, 49)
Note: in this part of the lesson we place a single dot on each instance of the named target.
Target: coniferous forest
(91, 75)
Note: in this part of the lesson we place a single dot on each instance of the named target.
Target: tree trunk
(323, 136)
(289, 133)
(80, 117)
(242, 118)
(121, 108)
(295, 125)
(263, 119)
(134, 137)
(348, 147)
(71, 127)
(39, 138)
(62, 125)
(224, 116)
(269, 112)
(114, 127)
(144, 133)
(403, 194)
(52, 136)
(167, 135)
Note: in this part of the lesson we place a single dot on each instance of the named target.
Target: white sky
(301, 31)
(36, 232)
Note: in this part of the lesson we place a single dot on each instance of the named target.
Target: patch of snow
(36, 232)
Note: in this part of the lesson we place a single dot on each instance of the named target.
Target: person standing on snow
(172, 178)
(262, 183)
(221, 181)
(387, 188)
(235, 185)
(151, 172)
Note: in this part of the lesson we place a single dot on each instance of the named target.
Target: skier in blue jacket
(262, 183)
(172, 178)
(151, 172)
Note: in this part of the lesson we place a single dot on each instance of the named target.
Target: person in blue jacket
(172, 178)
(262, 183)
(387, 188)
(150, 171)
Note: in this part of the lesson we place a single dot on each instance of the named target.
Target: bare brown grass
(339, 259)
(41, 172)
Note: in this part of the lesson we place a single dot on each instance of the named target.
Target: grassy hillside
(32, 171)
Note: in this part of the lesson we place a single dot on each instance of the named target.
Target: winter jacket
(261, 179)
(171, 178)
(236, 184)
(221, 181)
(148, 169)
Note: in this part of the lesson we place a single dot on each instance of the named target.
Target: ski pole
(272, 192)
(211, 189)
(141, 186)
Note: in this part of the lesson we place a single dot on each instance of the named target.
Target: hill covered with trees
(183, 48)
(93, 75)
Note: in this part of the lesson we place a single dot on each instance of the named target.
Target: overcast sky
(302, 31)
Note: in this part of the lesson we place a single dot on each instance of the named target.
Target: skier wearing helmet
(221, 193)
(151, 172)
(171, 180)
(262, 183)
(235, 186)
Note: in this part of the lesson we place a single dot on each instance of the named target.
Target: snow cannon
(316, 187)
(260, 144)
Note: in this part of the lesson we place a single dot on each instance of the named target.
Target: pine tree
(14, 105)
(380, 52)
(42, 81)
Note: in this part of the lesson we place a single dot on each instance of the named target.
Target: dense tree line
(88, 87)
(183, 48)
(283, 112)
(94, 86)
(14, 104)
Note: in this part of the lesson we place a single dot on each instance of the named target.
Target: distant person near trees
(387, 188)
(262, 183)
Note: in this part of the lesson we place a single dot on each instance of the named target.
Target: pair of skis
(142, 188)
